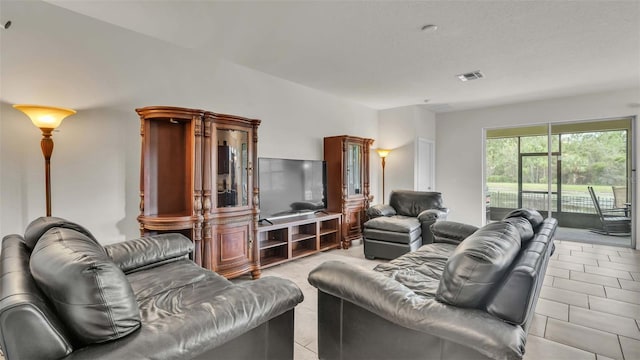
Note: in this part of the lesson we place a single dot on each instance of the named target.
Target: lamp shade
(383, 152)
(45, 117)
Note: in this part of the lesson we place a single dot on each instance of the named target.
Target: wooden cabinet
(230, 192)
(347, 159)
(288, 239)
(197, 178)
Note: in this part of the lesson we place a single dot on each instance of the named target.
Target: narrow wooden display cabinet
(347, 159)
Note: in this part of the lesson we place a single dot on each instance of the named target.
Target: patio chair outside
(614, 221)
(620, 198)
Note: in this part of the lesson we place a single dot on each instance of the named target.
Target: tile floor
(589, 306)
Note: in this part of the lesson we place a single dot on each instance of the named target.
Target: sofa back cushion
(478, 264)
(412, 203)
(524, 228)
(530, 215)
(89, 292)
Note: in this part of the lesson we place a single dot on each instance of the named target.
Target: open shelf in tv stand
(291, 238)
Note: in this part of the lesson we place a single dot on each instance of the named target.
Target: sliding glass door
(579, 173)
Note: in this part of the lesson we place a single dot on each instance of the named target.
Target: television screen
(291, 187)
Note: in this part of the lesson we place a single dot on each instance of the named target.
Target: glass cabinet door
(354, 170)
(232, 174)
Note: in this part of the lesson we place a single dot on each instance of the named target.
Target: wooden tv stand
(292, 238)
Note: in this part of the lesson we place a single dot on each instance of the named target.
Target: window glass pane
(502, 172)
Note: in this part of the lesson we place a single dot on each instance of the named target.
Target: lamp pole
(47, 149)
(383, 155)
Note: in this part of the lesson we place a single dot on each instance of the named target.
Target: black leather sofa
(64, 296)
(403, 225)
(469, 295)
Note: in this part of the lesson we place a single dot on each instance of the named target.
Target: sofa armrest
(394, 302)
(380, 210)
(149, 251)
(451, 232)
(433, 214)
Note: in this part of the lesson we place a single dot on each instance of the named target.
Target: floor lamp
(46, 118)
(383, 155)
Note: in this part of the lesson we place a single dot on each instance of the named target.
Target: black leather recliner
(403, 225)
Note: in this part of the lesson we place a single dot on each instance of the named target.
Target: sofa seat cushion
(397, 223)
(420, 270)
(89, 292)
(153, 282)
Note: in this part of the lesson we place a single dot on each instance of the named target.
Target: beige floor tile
(630, 260)
(621, 274)
(584, 338)
(630, 285)
(563, 246)
(557, 272)
(614, 307)
(552, 309)
(306, 326)
(625, 254)
(623, 295)
(594, 279)
(618, 266)
(538, 325)
(564, 296)
(538, 348)
(614, 248)
(602, 357)
(590, 255)
(565, 251)
(605, 322)
(578, 260)
(302, 353)
(579, 286)
(566, 265)
(630, 348)
(548, 280)
(592, 250)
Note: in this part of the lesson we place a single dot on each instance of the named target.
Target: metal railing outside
(581, 204)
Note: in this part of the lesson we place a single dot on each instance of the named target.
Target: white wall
(51, 56)
(398, 129)
(460, 149)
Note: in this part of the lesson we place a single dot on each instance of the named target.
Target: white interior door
(425, 174)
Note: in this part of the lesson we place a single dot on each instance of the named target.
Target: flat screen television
(291, 187)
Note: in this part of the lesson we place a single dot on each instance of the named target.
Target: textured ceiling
(375, 53)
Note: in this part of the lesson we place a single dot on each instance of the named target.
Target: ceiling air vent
(471, 76)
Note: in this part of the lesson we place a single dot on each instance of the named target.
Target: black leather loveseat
(64, 296)
(469, 295)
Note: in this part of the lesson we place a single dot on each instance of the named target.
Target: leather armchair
(403, 225)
